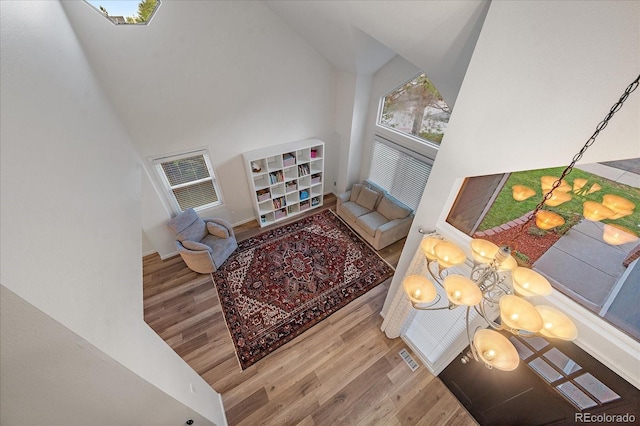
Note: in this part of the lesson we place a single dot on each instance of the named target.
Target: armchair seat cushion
(221, 248)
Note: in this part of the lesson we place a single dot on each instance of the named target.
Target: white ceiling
(354, 36)
(361, 36)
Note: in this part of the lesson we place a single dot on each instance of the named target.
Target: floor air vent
(413, 365)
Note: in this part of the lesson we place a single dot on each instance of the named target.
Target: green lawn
(505, 208)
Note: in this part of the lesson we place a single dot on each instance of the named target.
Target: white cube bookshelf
(286, 179)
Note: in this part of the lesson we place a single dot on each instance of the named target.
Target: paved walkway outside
(590, 269)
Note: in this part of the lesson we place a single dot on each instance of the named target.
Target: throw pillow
(367, 198)
(355, 191)
(217, 230)
(192, 245)
(392, 210)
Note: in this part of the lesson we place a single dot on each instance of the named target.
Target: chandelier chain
(615, 108)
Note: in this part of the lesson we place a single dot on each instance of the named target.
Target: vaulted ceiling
(354, 36)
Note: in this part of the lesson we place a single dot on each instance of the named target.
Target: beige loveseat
(375, 215)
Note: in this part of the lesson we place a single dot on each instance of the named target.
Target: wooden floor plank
(343, 370)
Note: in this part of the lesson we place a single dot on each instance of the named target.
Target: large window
(189, 180)
(416, 109)
(401, 172)
(579, 258)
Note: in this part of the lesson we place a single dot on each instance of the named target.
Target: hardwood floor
(342, 371)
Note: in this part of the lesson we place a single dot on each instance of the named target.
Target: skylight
(126, 12)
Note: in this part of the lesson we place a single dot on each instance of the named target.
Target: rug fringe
(235, 351)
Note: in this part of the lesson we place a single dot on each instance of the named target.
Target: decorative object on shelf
(255, 167)
(486, 287)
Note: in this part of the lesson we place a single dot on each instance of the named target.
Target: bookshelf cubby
(285, 179)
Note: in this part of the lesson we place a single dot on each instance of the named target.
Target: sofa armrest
(340, 199)
(392, 231)
(343, 198)
(224, 223)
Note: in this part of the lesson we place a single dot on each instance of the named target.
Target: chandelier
(486, 289)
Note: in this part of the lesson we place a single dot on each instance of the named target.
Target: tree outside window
(416, 108)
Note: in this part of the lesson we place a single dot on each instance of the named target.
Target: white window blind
(400, 171)
(189, 180)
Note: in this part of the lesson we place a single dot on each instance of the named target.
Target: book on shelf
(303, 169)
(279, 202)
(276, 177)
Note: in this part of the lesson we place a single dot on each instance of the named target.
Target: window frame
(168, 188)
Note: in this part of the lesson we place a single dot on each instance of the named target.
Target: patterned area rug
(284, 281)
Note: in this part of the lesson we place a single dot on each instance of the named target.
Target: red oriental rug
(284, 281)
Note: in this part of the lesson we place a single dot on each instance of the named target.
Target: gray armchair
(203, 244)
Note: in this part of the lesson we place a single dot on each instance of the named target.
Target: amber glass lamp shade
(495, 350)
(547, 183)
(427, 246)
(461, 290)
(521, 192)
(483, 251)
(509, 264)
(527, 282)
(419, 289)
(594, 188)
(616, 235)
(448, 254)
(556, 324)
(547, 220)
(518, 314)
(578, 184)
(619, 205)
(595, 211)
(557, 198)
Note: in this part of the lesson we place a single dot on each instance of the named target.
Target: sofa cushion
(217, 230)
(352, 210)
(192, 245)
(367, 198)
(392, 209)
(370, 222)
(355, 191)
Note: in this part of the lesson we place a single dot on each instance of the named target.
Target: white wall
(51, 376)
(230, 76)
(543, 75)
(70, 230)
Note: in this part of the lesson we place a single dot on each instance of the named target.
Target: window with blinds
(189, 180)
(403, 173)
